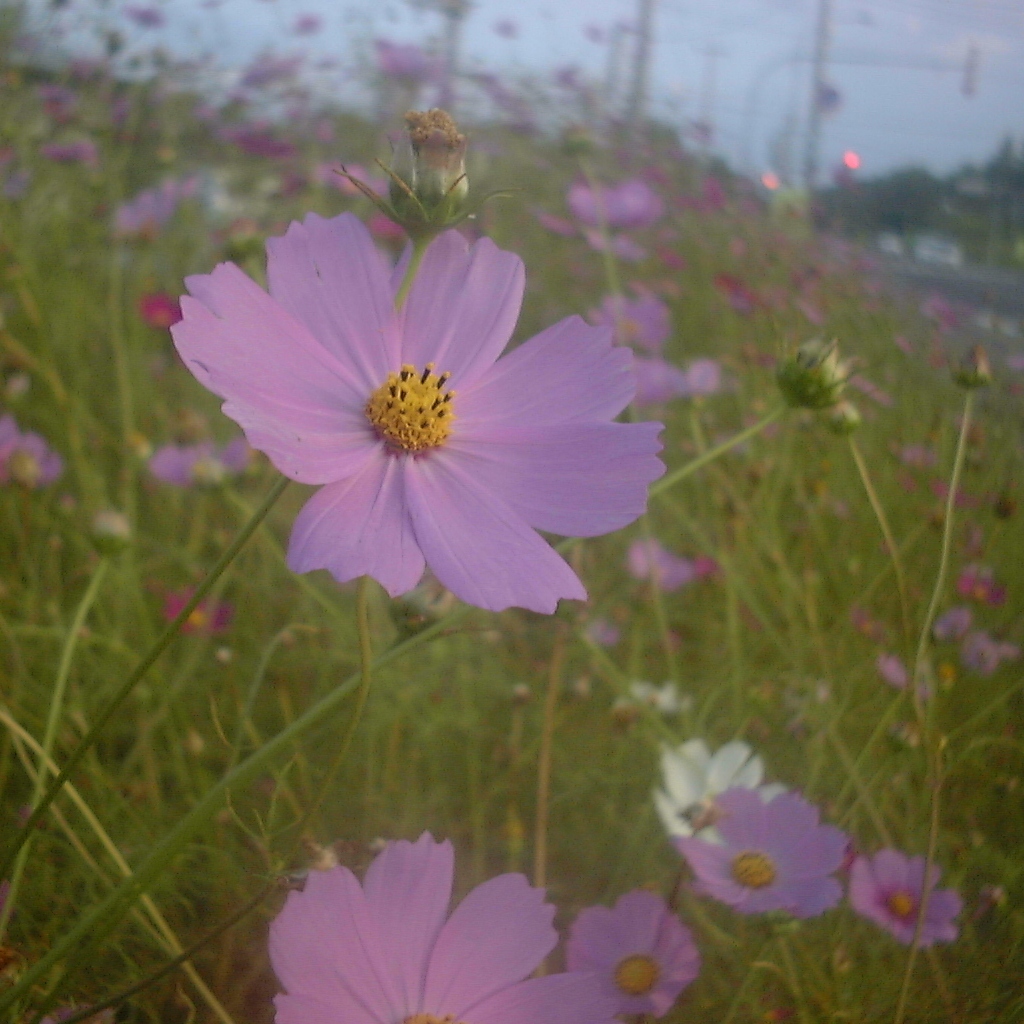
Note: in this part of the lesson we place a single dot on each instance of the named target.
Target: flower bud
(843, 418)
(975, 370)
(428, 180)
(814, 376)
(111, 532)
(24, 469)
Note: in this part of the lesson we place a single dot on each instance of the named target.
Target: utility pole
(709, 92)
(641, 67)
(822, 40)
(454, 12)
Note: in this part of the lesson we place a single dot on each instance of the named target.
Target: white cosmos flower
(664, 699)
(693, 777)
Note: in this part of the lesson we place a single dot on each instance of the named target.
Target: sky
(742, 64)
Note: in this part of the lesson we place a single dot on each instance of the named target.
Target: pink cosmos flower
(431, 450)
(773, 856)
(159, 310)
(207, 617)
(406, 62)
(185, 465)
(644, 321)
(641, 952)
(892, 670)
(983, 654)
(387, 951)
(25, 458)
(603, 632)
(978, 583)
(647, 558)
(887, 889)
(658, 381)
(630, 204)
(953, 624)
(621, 246)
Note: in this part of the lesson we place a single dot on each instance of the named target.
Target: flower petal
(574, 998)
(498, 934)
(292, 398)
(324, 947)
(477, 546)
(304, 1010)
(581, 479)
(360, 526)
(462, 307)
(408, 888)
(569, 373)
(330, 276)
(726, 765)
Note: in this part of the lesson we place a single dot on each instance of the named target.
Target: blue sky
(891, 115)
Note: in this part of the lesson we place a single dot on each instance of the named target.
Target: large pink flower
(387, 952)
(429, 448)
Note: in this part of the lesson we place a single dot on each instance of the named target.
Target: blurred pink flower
(983, 654)
(892, 670)
(871, 389)
(208, 616)
(647, 559)
(25, 457)
(556, 225)
(644, 321)
(978, 583)
(159, 310)
(185, 465)
(603, 633)
(78, 151)
(307, 24)
(630, 204)
(406, 63)
(742, 299)
(953, 624)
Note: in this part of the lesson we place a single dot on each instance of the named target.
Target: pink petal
(360, 526)
(574, 998)
(324, 947)
(568, 373)
(462, 307)
(498, 934)
(408, 888)
(330, 276)
(292, 398)
(303, 1010)
(583, 479)
(477, 546)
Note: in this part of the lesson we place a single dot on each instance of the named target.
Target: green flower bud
(843, 418)
(975, 370)
(111, 532)
(814, 376)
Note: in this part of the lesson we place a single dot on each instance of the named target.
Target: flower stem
(890, 543)
(139, 672)
(419, 248)
(670, 479)
(547, 737)
(52, 725)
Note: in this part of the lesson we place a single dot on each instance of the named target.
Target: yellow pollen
(637, 975)
(198, 619)
(752, 869)
(901, 904)
(429, 1018)
(412, 411)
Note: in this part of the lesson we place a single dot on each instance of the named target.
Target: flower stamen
(901, 904)
(752, 869)
(636, 975)
(412, 410)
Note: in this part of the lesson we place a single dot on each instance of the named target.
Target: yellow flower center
(752, 869)
(412, 411)
(198, 619)
(637, 975)
(24, 468)
(901, 904)
(207, 470)
(429, 1018)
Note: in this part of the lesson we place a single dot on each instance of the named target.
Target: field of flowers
(681, 642)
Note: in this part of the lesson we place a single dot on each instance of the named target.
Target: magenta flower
(887, 889)
(892, 670)
(81, 151)
(644, 321)
(25, 458)
(643, 955)
(648, 559)
(430, 449)
(630, 204)
(983, 654)
(953, 624)
(773, 856)
(207, 617)
(185, 465)
(978, 583)
(159, 310)
(387, 952)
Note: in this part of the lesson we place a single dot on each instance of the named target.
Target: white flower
(664, 699)
(693, 778)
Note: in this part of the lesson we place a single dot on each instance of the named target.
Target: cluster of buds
(429, 188)
(975, 370)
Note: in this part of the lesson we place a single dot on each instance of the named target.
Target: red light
(851, 160)
(770, 180)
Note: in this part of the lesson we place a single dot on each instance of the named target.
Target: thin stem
(890, 542)
(670, 479)
(794, 981)
(52, 725)
(139, 673)
(419, 248)
(611, 268)
(547, 736)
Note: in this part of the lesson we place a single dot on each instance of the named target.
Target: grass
(768, 649)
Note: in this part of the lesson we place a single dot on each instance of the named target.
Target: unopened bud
(843, 418)
(814, 376)
(428, 180)
(975, 370)
(111, 532)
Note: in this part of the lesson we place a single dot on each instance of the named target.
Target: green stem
(52, 725)
(419, 248)
(90, 738)
(670, 479)
(890, 542)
